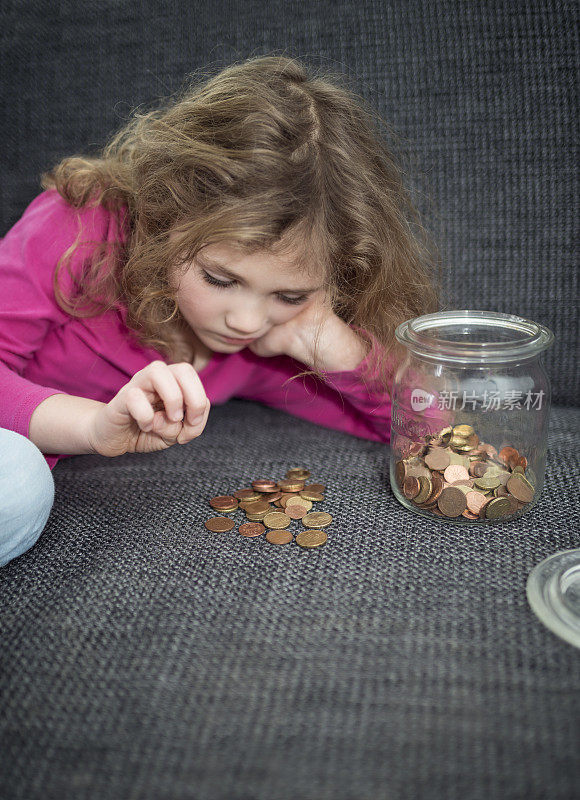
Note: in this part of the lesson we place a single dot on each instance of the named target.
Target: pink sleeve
(349, 401)
(28, 309)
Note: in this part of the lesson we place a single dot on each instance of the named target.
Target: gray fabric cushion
(483, 94)
(143, 656)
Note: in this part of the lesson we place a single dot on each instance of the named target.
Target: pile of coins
(455, 474)
(260, 503)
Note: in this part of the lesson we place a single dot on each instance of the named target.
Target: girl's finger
(139, 408)
(189, 432)
(158, 376)
(194, 396)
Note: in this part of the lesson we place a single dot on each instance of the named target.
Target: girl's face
(229, 299)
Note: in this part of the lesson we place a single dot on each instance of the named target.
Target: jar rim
(532, 340)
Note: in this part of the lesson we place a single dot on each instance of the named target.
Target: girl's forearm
(61, 423)
(338, 348)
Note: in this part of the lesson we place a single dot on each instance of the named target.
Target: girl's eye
(293, 301)
(214, 281)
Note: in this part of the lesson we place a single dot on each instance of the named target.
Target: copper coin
(509, 456)
(247, 494)
(455, 472)
(475, 500)
(401, 472)
(219, 524)
(519, 487)
(311, 538)
(252, 529)
(452, 501)
(411, 487)
(315, 487)
(438, 486)
(265, 485)
(224, 502)
(478, 469)
(257, 507)
(295, 511)
(437, 458)
(279, 537)
(271, 497)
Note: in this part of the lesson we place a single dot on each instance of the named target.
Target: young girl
(252, 238)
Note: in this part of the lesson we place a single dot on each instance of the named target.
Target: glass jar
(470, 409)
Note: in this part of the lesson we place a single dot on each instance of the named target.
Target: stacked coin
(455, 474)
(261, 503)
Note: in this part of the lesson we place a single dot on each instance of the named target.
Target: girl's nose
(246, 321)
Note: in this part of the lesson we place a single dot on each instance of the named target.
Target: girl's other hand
(316, 337)
(162, 404)
(291, 338)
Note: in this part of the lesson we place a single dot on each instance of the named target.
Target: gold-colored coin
(291, 486)
(317, 519)
(298, 501)
(488, 481)
(314, 497)
(297, 473)
(219, 524)
(499, 507)
(463, 430)
(311, 539)
(276, 520)
(426, 487)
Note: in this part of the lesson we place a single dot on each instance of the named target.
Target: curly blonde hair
(269, 158)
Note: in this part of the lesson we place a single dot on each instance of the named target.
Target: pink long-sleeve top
(45, 351)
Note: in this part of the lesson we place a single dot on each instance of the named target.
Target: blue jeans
(26, 494)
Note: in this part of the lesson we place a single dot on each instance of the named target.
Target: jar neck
(474, 337)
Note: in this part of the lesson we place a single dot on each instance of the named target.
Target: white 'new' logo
(420, 400)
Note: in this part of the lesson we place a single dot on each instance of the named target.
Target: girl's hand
(290, 338)
(147, 414)
(316, 337)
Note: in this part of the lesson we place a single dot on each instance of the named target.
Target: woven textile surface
(145, 657)
(142, 656)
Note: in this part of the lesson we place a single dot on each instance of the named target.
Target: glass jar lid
(466, 336)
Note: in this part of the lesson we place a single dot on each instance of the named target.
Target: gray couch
(143, 656)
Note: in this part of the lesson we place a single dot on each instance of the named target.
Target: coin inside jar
(457, 459)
